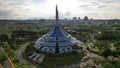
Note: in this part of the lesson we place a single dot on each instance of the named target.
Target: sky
(45, 9)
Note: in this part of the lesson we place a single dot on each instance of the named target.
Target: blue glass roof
(57, 31)
(57, 37)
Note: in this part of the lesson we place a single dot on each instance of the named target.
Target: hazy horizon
(45, 9)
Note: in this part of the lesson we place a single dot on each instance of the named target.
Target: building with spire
(56, 40)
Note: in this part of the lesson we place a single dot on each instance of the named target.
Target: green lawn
(57, 59)
(95, 49)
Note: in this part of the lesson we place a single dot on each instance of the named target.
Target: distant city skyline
(29, 9)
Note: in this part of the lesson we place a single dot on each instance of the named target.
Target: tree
(117, 44)
(107, 52)
(2, 57)
(5, 45)
(108, 65)
(117, 64)
(101, 45)
(4, 38)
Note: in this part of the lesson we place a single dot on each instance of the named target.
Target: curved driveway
(20, 57)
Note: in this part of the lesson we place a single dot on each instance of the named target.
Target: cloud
(93, 13)
(25, 9)
(65, 14)
(102, 6)
(38, 1)
(85, 6)
(94, 5)
(5, 13)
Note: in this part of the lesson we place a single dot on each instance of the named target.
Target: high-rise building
(74, 18)
(79, 18)
(57, 40)
(86, 18)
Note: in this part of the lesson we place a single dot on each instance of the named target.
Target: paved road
(20, 57)
(94, 55)
(20, 51)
